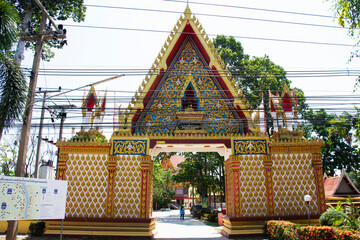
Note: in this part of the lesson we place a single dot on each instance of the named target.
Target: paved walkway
(170, 226)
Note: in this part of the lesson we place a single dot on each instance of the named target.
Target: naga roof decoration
(90, 101)
(188, 75)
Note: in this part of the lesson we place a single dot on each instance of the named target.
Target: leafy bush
(349, 234)
(312, 232)
(201, 213)
(333, 217)
(326, 232)
(212, 217)
(281, 230)
(36, 229)
(287, 230)
(196, 214)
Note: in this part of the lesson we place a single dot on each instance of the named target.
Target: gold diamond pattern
(127, 187)
(293, 178)
(252, 186)
(87, 185)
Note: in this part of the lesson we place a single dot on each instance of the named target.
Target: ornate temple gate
(189, 102)
(110, 183)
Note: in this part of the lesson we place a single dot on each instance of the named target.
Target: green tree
(354, 176)
(12, 80)
(203, 171)
(8, 155)
(348, 15)
(232, 52)
(356, 122)
(30, 15)
(339, 151)
(163, 191)
(9, 147)
(254, 75)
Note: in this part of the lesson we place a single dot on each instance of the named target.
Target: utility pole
(36, 173)
(11, 232)
(62, 116)
(39, 37)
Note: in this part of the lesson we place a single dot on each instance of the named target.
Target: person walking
(182, 213)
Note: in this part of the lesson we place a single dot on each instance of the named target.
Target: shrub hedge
(205, 212)
(36, 229)
(328, 217)
(281, 230)
(288, 230)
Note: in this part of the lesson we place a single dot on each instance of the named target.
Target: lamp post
(307, 199)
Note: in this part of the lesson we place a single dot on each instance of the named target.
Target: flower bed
(288, 230)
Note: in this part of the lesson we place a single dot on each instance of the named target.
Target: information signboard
(31, 198)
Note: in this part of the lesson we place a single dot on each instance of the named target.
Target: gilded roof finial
(187, 11)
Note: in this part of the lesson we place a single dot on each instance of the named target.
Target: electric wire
(213, 35)
(66, 72)
(76, 117)
(252, 8)
(219, 16)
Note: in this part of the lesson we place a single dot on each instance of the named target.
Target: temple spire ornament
(187, 11)
(93, 110)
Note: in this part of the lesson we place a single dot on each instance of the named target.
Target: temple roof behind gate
(188, 89)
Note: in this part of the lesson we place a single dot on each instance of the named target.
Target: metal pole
(62, 116)
(36, 173)
(62, 226)
(62, 120)
(308, 204)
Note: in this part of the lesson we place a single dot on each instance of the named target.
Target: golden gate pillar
(109, 188)
(268, 179)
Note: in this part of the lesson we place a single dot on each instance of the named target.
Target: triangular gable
(340, 186)
(189, 59)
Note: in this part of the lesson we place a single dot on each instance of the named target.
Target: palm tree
(13, 87)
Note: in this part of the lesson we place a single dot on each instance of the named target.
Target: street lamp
(307, 199)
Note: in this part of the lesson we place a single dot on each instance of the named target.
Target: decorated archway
(190, 102)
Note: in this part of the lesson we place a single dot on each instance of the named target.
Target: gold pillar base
(254, 227)
(125, 228)
(236, 228)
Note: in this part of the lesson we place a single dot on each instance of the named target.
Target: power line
(198, 73)
(223, 16)
(256, 9)
(214, 35)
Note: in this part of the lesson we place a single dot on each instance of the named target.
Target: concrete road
(170, 226)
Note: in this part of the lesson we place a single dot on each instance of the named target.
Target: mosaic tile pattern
(87, 185)
(127, 187)
(252, 186)
(293, 178)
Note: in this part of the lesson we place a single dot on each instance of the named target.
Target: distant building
(182, 193)
(339, 189)
(340, 186)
